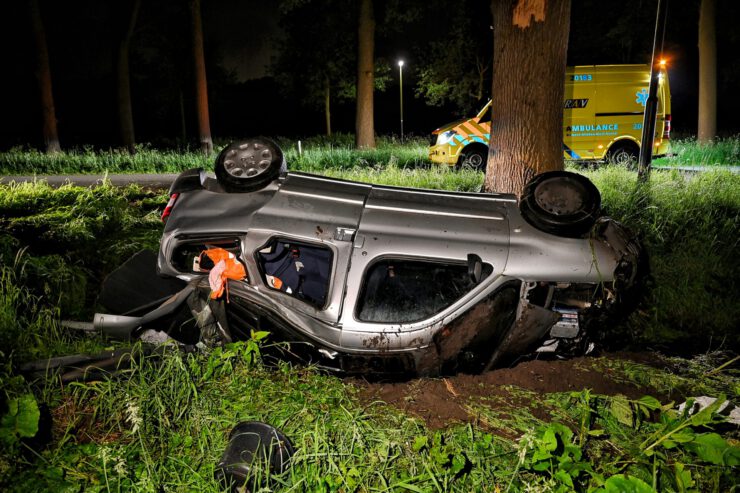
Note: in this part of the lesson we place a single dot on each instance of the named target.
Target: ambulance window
(299, 269)
(404, 291)
(487, 115)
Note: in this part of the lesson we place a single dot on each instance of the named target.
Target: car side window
(486, 118)
(299, 269)
(404, 291)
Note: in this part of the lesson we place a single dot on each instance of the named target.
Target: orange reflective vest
(226, 266)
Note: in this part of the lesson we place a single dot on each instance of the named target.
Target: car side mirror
(475, 268)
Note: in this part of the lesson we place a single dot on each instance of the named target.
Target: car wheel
(561, 203)
(249, 165)
(474, 159)
(623, 154)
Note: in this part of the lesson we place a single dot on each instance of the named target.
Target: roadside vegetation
(317, 155)
(162, 424)
(690, 152)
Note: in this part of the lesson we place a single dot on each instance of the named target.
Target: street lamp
(400, 86)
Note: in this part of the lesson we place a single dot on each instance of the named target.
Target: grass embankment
(689, 152)
(319, 154)
(162, 425)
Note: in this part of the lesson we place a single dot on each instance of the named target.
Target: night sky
(241, 40)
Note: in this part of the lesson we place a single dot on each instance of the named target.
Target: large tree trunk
(201, 87)
(43, 74)
(327, 105)
(364, 121)
(530, 46)
(125, 113)
(707, 73)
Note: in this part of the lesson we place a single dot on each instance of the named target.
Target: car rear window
(404, 291)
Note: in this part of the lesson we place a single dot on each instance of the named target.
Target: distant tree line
(338, 51)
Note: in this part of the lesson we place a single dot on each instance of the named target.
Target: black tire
(623, 154)
(249, 165)
(561, 203)
(474, 158)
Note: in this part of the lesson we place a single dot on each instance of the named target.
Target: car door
(432, 231)
(314, 215)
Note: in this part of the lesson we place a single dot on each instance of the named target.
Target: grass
(689, 226)
(163, 424)
(689, 152)
(318, 154)
(23, 161)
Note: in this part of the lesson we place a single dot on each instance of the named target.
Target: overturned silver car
(368, 279)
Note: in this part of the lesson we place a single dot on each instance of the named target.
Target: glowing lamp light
(400, 93)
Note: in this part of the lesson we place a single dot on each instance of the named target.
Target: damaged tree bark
(530, 46)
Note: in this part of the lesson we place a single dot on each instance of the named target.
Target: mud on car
(367, 279)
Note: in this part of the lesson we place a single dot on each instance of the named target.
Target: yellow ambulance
(602, 119)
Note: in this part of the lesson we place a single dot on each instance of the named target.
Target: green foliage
(690, 152)
(689, 226)
(461, 69)
(20, 421)
(622, 483)
(338, 154)
(56, 246)
(321, 55)
(28, 324)
(679, 431)
(453, 62)
(26, 161)
(162, 424)
(552, 450)
(19, 415)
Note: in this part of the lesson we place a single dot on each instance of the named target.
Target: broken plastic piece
(727, 409)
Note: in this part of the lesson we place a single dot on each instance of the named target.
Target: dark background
(242, 38)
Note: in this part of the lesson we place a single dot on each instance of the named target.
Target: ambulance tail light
(170, 205)
(667, 128)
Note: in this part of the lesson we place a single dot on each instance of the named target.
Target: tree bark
(43, 75)
(327, 105)
(364, 120)
(201, 86)
(530, 46)
(125, 113)
(707, 73)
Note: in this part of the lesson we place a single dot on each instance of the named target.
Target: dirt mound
(441, 402)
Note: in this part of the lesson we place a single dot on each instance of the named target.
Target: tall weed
(689, 225)
(690, 152)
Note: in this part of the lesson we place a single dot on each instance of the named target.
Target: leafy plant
(20, 421)
(552, 450)
(679, 431)
(672, 440)
(221, 360)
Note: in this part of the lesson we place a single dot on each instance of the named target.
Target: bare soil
(442, 402)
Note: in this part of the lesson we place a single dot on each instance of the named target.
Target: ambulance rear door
(578, 113)
(621, 95)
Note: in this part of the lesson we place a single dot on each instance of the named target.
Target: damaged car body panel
(362, 278)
